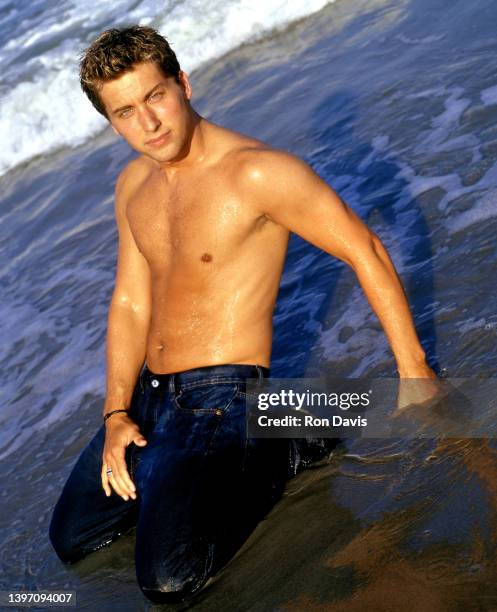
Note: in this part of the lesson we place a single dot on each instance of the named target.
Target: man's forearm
(386, 295)
(126, 352)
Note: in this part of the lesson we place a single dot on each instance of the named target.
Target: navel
(206, 257)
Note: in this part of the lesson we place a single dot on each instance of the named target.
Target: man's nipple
(206, 257)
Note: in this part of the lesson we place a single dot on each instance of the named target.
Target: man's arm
(128, 324)
(291, 194)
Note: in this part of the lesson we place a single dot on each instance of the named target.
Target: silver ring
(109, 471)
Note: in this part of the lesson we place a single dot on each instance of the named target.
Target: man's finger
(117, 484)
(114, 479)
(122, 474)
(129, 484)
(105, 481)
(139, 440)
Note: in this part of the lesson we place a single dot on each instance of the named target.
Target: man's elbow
(369, 250)
(376, 245)
(124, 302)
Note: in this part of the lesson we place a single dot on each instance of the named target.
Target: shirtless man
(204, 216)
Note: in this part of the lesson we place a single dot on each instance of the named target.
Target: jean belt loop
(172, 385)
(259, 374)
(140, 378)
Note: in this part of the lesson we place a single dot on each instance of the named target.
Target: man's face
(150, 111)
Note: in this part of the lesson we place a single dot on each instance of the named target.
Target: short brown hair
(115, 52)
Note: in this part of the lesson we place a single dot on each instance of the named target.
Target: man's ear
(185, 84)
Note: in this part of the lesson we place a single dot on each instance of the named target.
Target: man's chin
(162, 157)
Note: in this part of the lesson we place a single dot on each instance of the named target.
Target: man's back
(215, 259)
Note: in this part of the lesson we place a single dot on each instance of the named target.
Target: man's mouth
(160, 140)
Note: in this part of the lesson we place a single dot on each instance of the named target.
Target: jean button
(155, 382)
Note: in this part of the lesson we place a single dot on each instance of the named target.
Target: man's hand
(120, 432)
(418, 386)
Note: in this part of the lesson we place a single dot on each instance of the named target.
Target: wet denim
(202, 485)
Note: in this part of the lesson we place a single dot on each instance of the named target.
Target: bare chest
(189, 222)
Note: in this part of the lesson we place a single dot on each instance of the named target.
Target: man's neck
(194, 151)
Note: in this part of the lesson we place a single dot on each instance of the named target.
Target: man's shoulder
(269, 178)
(257, 164)
(132, 176)
(241, 152)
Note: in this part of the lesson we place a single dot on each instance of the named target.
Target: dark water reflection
(399, 528)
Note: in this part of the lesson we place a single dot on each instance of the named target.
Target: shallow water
(394, 103)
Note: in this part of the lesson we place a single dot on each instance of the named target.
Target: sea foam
(42, 107)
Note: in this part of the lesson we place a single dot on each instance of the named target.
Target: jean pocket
(144, 410)
(212, 398)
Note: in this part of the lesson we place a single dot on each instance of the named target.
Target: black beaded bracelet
(109, 414)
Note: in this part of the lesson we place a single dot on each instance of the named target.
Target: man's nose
(149, 120)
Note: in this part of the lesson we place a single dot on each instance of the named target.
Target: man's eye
(156, 96)
(125, 113)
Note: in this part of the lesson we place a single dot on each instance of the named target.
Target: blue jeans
(202, 485)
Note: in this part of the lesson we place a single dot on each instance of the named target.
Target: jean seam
(209, 382)
(217, 428)
(204, 410)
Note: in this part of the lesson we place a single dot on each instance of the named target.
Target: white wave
(483, 210)
(426, 40)
(200, 35)
(46, 110)
(489, 96)
(39, 117)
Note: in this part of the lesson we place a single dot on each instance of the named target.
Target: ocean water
(42, 107)
(394, 103)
